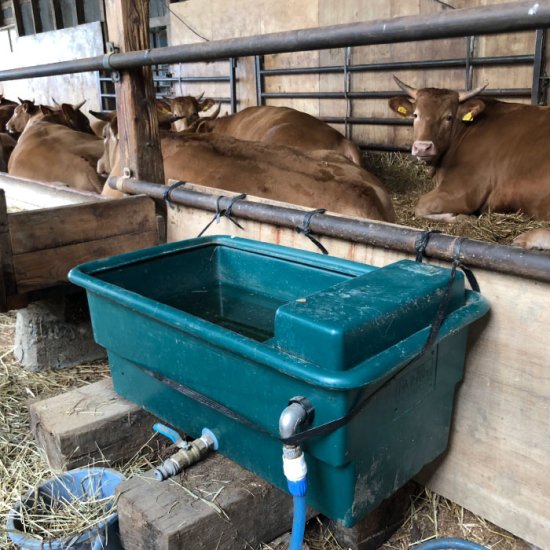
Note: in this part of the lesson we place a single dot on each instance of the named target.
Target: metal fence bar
(481, 20)
(538, 69)
(505, 259)
(512, 92)
(406, 65)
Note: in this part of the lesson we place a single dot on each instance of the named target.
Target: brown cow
(6, 112)
(50, 151)
(27, 111)
(188, 108)
(319, 179)
(488, 155)
(283, 126)
(7, 145)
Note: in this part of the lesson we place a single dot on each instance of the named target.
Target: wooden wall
(499, 453)
(48, 47)
(248, 17)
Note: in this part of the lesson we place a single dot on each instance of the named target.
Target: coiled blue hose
(448, 543)
(298, 523)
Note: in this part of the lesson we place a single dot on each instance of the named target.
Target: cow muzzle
(424, 150)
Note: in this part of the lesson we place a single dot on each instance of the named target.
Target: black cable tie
(305, 229)
(166, 195)
(421, 243)
(472, 280)
(227, 213)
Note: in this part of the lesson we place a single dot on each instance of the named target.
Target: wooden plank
(7, 280)
(139, 137)
(57, 227)
(89, 425)
(176, 514)
(30, 194)
(46, 268)
(500, 450)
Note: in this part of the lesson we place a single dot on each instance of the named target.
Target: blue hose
(298, 523)
(447, 543)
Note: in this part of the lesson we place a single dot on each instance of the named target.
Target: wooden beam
(7, 278)
(139, 137)
(30, 195)
(89, 424)
(48, 243)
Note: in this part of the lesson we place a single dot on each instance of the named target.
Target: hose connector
(189, 453)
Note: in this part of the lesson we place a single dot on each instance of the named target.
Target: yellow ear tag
(402, 110)
(468, 117)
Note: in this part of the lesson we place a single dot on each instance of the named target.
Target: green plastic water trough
(251, 325)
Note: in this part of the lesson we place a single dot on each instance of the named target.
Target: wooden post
(139, 137)
(8, 288)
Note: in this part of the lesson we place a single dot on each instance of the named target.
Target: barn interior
(57, 398)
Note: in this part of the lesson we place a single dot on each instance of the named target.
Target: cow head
(21, 115)
(437, 114)
(188, 109)
(4, 101)
(110, 137)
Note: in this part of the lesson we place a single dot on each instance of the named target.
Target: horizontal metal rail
(367, 120)
(512, 92)
(182, 79)
(504, 259)
(516, 16)
(403, 65)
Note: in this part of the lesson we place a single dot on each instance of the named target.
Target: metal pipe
(367, 120)
(405, 65)
(504, 259)
(508, 92)
(515, 16)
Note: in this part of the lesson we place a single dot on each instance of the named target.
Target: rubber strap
(166, 195)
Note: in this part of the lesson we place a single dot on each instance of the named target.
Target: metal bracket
(111, 49)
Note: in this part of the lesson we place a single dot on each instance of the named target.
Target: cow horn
(199, 97)
(463, 96)
(409, 90)
(168, 118)
(106, 116)
(55, 102)
(79, 105)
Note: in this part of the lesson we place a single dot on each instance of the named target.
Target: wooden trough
(38, 247)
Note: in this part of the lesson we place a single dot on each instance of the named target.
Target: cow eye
(415, 115)
(449, 117)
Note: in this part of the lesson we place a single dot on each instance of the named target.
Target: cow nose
(423, 148)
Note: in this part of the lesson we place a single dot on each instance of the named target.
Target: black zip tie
(422, 242)
(466, 270)
(305, 229)
(166, 195)
(228, 213)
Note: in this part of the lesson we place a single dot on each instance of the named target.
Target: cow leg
(441, 206)
(447, 218)
(534, 239)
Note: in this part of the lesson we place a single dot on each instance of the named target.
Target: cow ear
(67, 109)
(471, 109)
(401, 105)
(207, 103)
